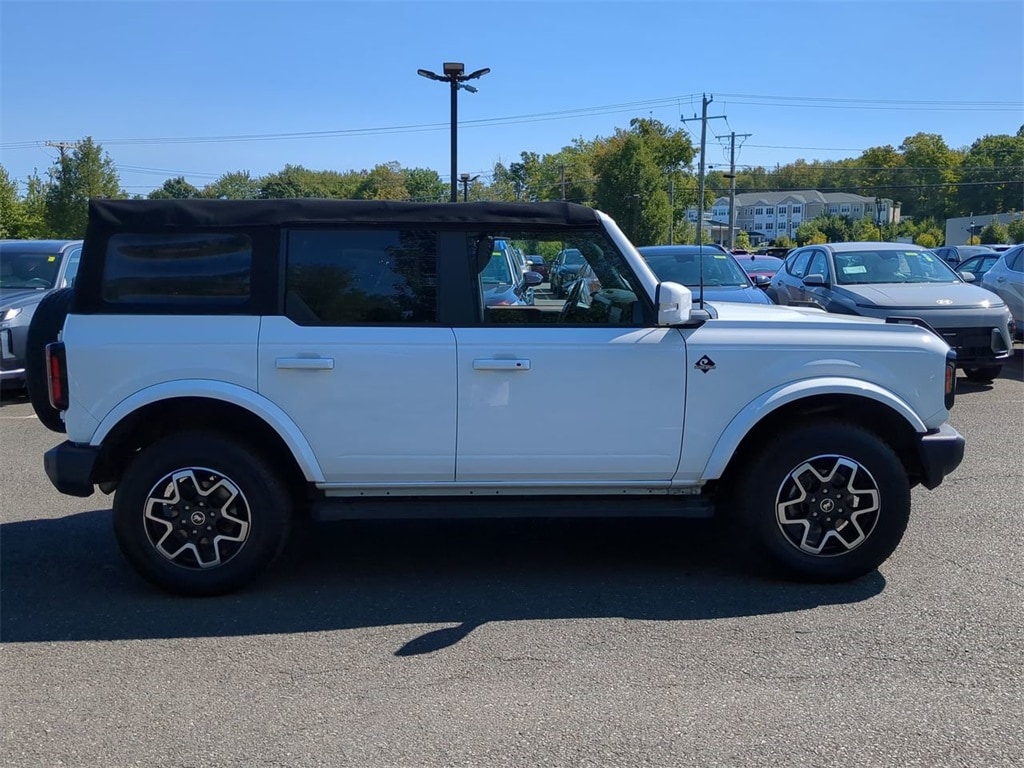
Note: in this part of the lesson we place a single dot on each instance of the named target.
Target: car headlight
(10, 314)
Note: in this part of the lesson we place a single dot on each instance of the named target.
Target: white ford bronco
(224, 367)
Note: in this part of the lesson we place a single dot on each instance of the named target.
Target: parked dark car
(29, 270)
(954, 254)
(901, 280)
(724, 279)
(503, 281)
(977, 265)
(538, 264)
(563, 270)
(760, 269)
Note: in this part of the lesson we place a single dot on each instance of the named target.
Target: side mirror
(968, 277)
(532, 279)
(815, 281)
(762, 281)
(674, 302)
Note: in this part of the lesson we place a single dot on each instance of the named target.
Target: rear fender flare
(251, 401)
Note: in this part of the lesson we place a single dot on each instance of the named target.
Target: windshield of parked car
(28, 270)
(497, 270)
(892, 266)
(573, 258)
(760, 264)
(681, 266)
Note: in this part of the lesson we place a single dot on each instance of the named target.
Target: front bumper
(71, 467)
(940, 452)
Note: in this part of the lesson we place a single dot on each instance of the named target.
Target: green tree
(993, 175)
(174, 189)
(10, 205)
(238, 185)
(631, 190)
(296, 181)
(782, 241)
(994, 232)
(384, 182)
(865, 230)
(32, 222)
(930, 172)
(926, 240)
(743, 240)
(808, 232)
(1015, 229)
(424, 185)
(86, 172)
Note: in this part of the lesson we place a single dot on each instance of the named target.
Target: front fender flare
(245, 398)
(766, 403)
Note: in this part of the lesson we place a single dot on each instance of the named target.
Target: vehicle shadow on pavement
(1013, 370)
(65, 580)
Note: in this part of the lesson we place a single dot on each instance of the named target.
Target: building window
(845, 209)
(759, 211)
(769, 225)
(782, 210)
(796, 209)
(833, 209)
(771, 211)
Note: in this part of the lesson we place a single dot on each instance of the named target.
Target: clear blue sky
(818, 79)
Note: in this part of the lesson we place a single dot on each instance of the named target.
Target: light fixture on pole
(466, 180)
(453, 76)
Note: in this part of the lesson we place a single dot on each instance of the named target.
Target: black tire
(853, 530)
(984, 375)
(252, 533)
(47, 322)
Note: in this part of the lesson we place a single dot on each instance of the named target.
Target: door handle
(490, 364)
(306, 363)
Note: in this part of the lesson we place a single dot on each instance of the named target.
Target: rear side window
(353, 277)
(178, 268)
(797, 265)
(1016, 261)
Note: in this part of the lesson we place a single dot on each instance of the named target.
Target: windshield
(573, 257)
(28, 270)
(870, 267)
(760, 263)
(497, 271)
(682, 267)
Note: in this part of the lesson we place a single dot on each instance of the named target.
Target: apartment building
(767, 215)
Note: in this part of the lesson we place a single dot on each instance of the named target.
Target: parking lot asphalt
(519, 643)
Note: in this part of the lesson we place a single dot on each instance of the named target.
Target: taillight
(57, 375)
(950, 378)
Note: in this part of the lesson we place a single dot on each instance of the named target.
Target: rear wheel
(828, 502)
(200, 514)
(984, 375)
(47, 322)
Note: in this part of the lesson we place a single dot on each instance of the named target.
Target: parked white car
(225, 366)
(1006, 279)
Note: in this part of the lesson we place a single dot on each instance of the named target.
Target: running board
(472, 507)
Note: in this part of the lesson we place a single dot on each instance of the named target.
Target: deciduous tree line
(642, 176)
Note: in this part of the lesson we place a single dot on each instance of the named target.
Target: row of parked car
(976, 305)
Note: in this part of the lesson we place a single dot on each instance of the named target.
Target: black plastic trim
(940, 451)
(70, 467)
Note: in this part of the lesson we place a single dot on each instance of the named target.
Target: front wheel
(983, 375)
(199, 514)
(826, 502)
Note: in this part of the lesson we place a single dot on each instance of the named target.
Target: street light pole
(453, 75)
(466, 180)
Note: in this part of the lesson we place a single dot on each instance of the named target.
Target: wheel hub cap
(197, 518)
(827, 505)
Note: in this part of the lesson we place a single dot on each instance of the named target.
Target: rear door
(358, 359)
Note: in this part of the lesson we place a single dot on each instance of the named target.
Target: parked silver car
(886, 280)
(1006, 279)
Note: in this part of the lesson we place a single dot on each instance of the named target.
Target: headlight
(10, 314)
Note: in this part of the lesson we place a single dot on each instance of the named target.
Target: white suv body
(428, 398)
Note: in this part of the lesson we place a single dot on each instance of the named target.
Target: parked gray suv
(29, 270)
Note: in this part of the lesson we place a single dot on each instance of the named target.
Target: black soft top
(148, 215)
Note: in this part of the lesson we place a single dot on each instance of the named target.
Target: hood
(20, 297)
(922, 295)
(745, 295)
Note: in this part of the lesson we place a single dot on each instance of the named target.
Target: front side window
(351, 277)
(797, 264)
(818, 265)
(178, 268)
(682, 264)
(589, 283)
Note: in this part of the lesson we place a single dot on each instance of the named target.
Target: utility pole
(700, 181)
(466, 179)
(732, 183)
(562, 169)
(671, 208)
(63, 147)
